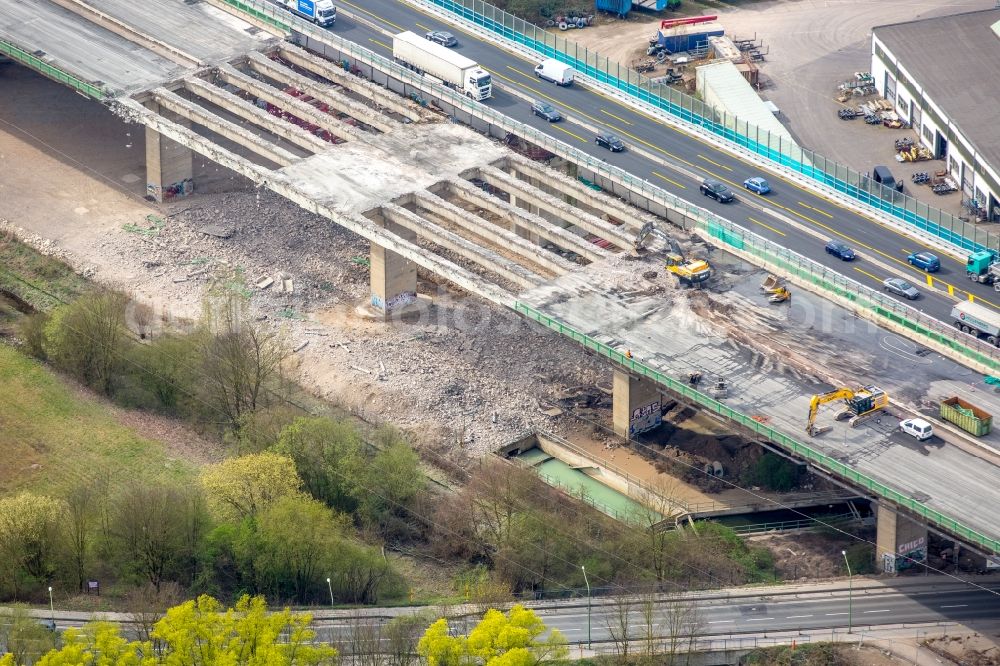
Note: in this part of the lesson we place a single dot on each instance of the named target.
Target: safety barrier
(779, 149)
(767, 432)
(51, 71)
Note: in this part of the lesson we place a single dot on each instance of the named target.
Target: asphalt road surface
(790, 215)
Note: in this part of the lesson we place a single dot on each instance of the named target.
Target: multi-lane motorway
(791, 215)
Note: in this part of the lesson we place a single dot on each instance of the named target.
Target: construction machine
(689, 272)
(862, 404)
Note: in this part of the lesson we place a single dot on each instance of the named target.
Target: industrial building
(940, 74)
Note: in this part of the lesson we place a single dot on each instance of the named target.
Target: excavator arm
(861, 404)
(822, 398)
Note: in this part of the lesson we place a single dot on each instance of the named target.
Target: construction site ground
(811, 48)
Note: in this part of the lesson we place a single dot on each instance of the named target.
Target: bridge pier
(393, 277)
(901, 541)
(169, 165)
(635, 405)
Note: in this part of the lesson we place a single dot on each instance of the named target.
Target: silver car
(901, 287)
(442, 37)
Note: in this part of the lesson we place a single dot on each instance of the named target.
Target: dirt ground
(812, 46)
(970, 650)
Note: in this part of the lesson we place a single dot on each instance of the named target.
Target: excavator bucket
(770, 283)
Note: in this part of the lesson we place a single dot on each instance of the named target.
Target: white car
(917, 428)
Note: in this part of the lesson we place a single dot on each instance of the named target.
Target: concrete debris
(299, 347)
(265, 282)
(216, 230)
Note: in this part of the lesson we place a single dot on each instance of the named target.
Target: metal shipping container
(620, 7)
(966, 416)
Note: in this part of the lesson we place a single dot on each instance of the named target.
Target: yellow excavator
(689, 272)
(862, 404)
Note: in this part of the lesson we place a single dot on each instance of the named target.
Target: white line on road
(955, 606)
(836, 613)
(884, 610)
(793, 617)
(718, 621)
(759, 619)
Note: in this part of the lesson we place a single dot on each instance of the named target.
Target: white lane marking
(719, 621)
(955, 606)
(759, 619)
(793, 617)
(836, 613)
(885, 610)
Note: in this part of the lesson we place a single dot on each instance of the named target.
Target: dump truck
(977, 320)
(320, 12)
(443, 65)
(966, 416)
(982, 266)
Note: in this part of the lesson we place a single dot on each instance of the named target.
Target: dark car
(717, 190)
(610, 141)
(546, 111)
(901, 287)
(840, 250)
(442, 37)
(925, 261)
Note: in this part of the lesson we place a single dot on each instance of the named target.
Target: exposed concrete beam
(223, 127)
(126, 31)
(244, 109)
(467, 280)
(486, 258)
(293, 105)
(539, 225)
(363, 87)
(320, 91)
(633, 218)
(493, 233)
(570, 214)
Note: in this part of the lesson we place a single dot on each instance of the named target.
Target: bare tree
(682, 625)
(146, 605)
(619, 623)
(81, 518)
(401, 637)
(651, 645)
(364, 643)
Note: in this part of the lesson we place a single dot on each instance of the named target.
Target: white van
(917, 428)
(558, 73)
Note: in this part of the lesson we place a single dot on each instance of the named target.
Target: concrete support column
(393, 278)
(635, 404)
(901, 541)
(169, 165)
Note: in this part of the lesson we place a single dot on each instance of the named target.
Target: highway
(790, 215)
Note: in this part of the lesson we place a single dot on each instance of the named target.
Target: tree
(23, 636)
(28, 539)
(327, 454)
(239, 359)
(242, 487)
(511, 639)
(98, 643)
(87, 338)
(78, 528)
(390, 482)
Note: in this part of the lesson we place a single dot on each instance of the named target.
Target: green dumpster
(966, 416)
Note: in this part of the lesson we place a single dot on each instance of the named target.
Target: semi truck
(442, 64)
(321, 12)
(977, 320)
(982, 266)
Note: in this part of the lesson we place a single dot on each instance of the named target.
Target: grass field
(41, 282)
(52, 434)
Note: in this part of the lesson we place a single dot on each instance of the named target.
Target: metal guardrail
(788, 525)
(771, 434)
(51, 71)
(777, 148)
(781, 502)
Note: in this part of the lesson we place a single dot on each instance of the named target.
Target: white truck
(321, 12)
(557, 72)
(977, 320)
(442, 64)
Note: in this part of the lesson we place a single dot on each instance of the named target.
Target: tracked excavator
(862, 404)
(689, 272)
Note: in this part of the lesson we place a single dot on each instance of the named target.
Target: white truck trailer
(451, 68)
(977, 320)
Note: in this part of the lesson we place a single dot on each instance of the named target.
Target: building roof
(723, 86)
(956, 59)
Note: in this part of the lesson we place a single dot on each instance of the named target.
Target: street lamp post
(850, 593)
(329, 586)
(584, 570)
(52, 611)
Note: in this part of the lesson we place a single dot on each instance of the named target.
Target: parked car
(901, 287)
(840, 249)
(757, 184)
(918, 428)
(610, 141)
(925, 261)
(546, 111)
(442, 37)
(716, 190)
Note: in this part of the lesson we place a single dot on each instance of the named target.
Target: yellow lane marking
(423, 27)
(821, 212)
(721, 166)
(864, 272)
(561, 129)
(383, 45)
(615, 117)
(375, 16)
(669, 180)
(766, 226)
